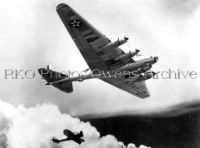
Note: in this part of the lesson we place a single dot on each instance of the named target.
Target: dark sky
(174, 132)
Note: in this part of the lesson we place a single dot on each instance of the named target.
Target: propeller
(137, 50)
(154, 73)
(126, 38)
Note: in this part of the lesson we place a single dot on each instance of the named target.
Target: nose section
(66, 132)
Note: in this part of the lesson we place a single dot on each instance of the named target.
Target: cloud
(131, 145)
(33, 127)
(4, 126)
(180, 8)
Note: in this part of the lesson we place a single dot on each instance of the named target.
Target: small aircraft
(76, 137)
(105, 59)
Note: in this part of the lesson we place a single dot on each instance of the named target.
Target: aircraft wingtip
(62, 6)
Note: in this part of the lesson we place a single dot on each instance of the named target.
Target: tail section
(51, 77)
(78, 138)
(81, 134)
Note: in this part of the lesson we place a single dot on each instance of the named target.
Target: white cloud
(34, 127)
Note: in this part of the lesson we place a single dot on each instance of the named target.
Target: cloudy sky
(32, 36)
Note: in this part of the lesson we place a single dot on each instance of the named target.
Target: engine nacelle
(145, 76)
(143, 70)
(116, 43)
(128, 55)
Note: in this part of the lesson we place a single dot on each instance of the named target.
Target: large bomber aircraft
(105, 59)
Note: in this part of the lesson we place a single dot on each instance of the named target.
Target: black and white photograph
(99, 74)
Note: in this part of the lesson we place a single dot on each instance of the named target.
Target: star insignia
(75, 23)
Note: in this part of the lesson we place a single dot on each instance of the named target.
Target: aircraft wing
(90, 42)
(138, 89)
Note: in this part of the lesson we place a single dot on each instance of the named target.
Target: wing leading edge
(85, 36)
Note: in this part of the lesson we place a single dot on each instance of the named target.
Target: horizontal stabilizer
(50, 76)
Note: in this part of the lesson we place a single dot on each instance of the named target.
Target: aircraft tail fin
(80, 134)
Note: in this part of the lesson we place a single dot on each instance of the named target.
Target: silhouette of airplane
(76, 137)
